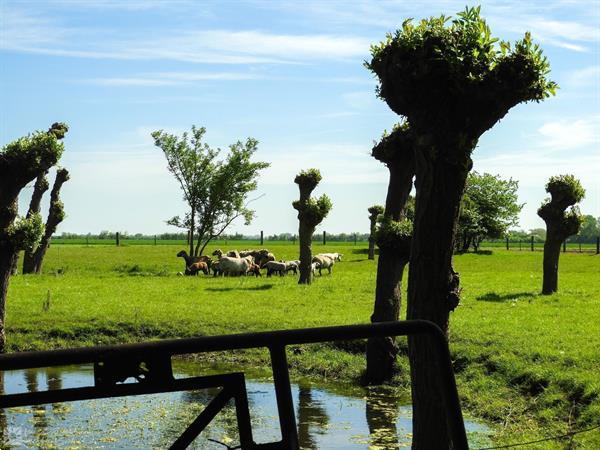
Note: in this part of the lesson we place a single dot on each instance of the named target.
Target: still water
(329, 417)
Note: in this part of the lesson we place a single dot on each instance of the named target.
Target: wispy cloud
(570, 134)
(170, 79)
(24, 32)
(586, 77)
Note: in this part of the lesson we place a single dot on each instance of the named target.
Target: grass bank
(526, 363)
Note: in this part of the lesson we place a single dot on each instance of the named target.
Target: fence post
(579, 245)
(262, 240)
(564, 246)
(506, 243)
(154, 239)
(117, 235)
(324, 237)
(532, 241)
(597, 245)
(520, 246)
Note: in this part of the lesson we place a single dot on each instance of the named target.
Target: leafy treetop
(435, 71)
(565, 191)
(565, 188)
(308, 178)
(376, 210)
(393, 146)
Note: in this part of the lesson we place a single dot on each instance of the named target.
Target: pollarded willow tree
(452, 81)
(374, 212)
(311, 213)
(34, 257)
(393, 238)
(565, 191)
(21, 161)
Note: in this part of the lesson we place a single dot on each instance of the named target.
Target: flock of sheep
(250, 262)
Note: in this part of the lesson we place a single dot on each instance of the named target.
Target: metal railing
(149, 364)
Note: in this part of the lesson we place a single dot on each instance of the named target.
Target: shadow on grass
(363, 251)
(262, 287)
(479, 252)
(493, 297)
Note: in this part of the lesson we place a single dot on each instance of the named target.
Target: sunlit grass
(530, 364)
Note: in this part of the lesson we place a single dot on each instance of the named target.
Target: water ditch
(330, 416)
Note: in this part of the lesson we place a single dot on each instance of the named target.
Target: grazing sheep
(189, 260)
(234, 266)
(263, 256)
(334, 256)
(293, 266)
(218, 253)
(323, 262)
(254, 269)
(215, 267)
(196, 267)
(275, 267)
(244, 253)
(233, 254)
(313, 268)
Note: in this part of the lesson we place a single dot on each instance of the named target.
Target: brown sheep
(196, 267)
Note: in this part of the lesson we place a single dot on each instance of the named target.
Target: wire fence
(574, 244)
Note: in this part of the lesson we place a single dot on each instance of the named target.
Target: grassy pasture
(526, 363)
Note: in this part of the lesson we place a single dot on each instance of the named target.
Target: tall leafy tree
(393, 236)
(311, 213)
(488, 208)
(565, 191)
(21, 162)
(214, 189)
(452, 81)
(590, 228)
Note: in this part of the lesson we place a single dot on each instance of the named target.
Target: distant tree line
(110, 235)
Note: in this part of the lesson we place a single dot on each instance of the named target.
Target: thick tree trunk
(551, 256)
(432, 285)
(305, 233)
(7, 257)
(381, 352)
(372, 243)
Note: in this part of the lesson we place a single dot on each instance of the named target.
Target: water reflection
(382, 412)
(312, 417)
(326, 418)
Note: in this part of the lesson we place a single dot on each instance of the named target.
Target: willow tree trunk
(372, 230)
(8, 254)
(305, 233)
(40, 187)
(433, 285)
(551, 256)
(55, 217)
(381, 352)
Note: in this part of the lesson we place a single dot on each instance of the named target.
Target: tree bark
(432, 284)
(7, 256)
(55, 216)
(372, 241)
(40, 187)
(381, 352)
(305, 233)
(551, 256)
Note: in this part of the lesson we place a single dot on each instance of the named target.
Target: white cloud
(570, 134)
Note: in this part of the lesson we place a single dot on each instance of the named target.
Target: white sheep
(274, 266)
(334, 256)
(323, 262)
(234, 266)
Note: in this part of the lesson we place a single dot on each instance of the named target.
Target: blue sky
(287, 73)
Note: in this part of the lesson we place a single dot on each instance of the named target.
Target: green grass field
(527, 364)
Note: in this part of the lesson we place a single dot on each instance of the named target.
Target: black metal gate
(150, 365)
